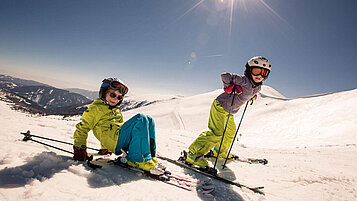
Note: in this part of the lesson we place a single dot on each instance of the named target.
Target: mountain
(271, 118)
(88, 94)
(9, 81)
(137, 101)
(36, 97)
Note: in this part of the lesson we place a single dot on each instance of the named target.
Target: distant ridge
(36, 97)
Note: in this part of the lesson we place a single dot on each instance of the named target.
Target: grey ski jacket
(249, 90)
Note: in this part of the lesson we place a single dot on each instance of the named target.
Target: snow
(37, 98)
(310, 143)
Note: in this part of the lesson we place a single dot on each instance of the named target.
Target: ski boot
(221, 154)
(149, 166)
(193, 159)
(158, 164)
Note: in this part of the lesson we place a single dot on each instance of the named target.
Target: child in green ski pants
(242, 89)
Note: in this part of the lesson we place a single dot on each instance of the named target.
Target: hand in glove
(104, 152)
(80, 154)
(237, 89)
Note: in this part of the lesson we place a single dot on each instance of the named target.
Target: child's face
(259, 74)
(113, 97)
(258, 78)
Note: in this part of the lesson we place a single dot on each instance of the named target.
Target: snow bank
(310, 143)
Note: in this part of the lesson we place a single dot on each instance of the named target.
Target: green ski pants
(216, 124)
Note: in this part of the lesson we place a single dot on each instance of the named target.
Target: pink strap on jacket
(229, 89)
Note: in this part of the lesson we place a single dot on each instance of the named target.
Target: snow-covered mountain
(88, 94)
(298, 121)
(310, 143)
(137, 101)
(35, 97)
(9, 81)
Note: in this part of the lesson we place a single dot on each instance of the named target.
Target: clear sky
(180, 47)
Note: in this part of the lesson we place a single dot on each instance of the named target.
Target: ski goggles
(260, 71)
(118, 86)
(113, 95)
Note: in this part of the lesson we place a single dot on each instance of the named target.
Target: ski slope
(310, 143)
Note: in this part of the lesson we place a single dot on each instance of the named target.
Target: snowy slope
(272, 121)
(310, 144)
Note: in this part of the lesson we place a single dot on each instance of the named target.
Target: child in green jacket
(135, 136)
(245, 88)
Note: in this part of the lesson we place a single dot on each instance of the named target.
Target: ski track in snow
(310, 146)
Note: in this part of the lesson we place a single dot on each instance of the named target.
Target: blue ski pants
(137, 137)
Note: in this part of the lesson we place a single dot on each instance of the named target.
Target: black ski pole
(29, 138)
(88, 159)
(29, 135)
(241, 119)
(225, 128)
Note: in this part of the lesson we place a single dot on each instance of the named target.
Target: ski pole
(241, 119)
(29, 135)
(88, 159)
(29, 138)
(225, 128)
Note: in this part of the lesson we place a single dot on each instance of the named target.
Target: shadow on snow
(46, 164)
(42, 166)
(223, 191)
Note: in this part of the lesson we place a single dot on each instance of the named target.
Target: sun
(228, 10)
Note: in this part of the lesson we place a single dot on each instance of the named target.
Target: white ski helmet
(259, 62)
(113, 83)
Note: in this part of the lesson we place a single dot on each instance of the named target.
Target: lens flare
(227, 10)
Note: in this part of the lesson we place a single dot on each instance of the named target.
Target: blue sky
(180, 47)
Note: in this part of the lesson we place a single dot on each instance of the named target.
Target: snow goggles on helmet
(260, 71)
(116, 85)
(113, 95)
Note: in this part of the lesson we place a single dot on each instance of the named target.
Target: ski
(167, 177)
(262, 161)
(209, 173)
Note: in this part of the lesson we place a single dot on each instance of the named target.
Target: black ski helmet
(113, 83)
(258, 62)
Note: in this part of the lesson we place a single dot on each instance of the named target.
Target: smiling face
(258, 78)
(113, 97)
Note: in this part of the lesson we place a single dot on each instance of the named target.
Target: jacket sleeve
(231, 78)
(89, 119)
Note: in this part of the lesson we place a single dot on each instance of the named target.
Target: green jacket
(104, 121)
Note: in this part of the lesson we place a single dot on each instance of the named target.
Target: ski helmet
(256, 62)
(113, 83)
(259, 62)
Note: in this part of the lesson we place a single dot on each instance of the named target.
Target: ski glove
(237, 89)
(80, 154)
(104, 152)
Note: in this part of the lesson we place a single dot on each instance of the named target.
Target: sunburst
(230, 7)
